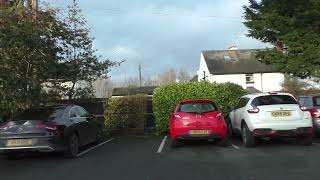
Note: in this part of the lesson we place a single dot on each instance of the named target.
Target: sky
(162, 34)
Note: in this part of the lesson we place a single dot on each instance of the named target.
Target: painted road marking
(235, 146)
(162, 144)
(94, 147)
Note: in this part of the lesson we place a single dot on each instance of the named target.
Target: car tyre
(247, 136)
(306, 141)
(230, 130)
(72, 146)
(175, 143)
(99, 136)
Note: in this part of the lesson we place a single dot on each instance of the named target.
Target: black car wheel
(73, 146)
(248, 137)
(99, 136)
(230, 130)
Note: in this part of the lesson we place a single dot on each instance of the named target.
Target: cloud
(160, 34)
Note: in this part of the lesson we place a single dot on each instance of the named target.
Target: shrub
(126, 112)
(165, 98)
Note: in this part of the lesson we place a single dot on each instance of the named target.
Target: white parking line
(94, 147)
(162, 144)
(235, 146)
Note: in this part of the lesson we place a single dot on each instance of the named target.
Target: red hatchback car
(197, 119)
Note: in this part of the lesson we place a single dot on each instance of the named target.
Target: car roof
(254, 95)
(194, 100)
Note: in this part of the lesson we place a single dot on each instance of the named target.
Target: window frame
(250, 76)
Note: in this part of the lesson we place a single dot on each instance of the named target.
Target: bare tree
(293, 85)
(150, 82)
(184, 76)
(167, 77)
(131, 82)
(103, 87)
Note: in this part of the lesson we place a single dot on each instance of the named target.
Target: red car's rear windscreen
(197, 107)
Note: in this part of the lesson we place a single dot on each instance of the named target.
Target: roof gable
(235, 62)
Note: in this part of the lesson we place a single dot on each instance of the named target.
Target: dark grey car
(61, 128)
(311, 103)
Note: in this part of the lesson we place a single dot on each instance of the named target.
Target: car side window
(73, 112)
(82, 112)
(242, 102)
(305, 102)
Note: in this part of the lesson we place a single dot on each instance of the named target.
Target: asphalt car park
(132, 157)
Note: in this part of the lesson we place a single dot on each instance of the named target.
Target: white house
(239, 67)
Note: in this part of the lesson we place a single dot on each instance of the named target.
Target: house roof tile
(235, 62)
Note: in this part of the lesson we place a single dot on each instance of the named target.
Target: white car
(268, 115)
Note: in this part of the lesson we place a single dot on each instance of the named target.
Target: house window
(249, 78)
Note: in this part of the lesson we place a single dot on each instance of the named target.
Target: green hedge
(126, 112)
(165, 98)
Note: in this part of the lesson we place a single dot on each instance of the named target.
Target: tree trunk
(71, 93)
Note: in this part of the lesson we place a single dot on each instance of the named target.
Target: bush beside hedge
(165, 98)
(126, 112)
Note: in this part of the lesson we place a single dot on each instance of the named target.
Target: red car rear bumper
(184, 133)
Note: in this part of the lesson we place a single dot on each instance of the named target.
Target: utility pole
(140, 75)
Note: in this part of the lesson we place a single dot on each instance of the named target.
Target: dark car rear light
(4, 127)
(314, 112)
(53, 126)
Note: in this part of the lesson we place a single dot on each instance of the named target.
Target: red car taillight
(253, 110)
(177, 116)
(53, 126)
(220, 118)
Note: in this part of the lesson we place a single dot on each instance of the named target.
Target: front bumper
(41, 144)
